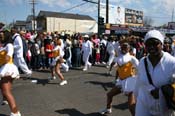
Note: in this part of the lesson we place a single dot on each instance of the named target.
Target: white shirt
(125, 58)
(110, 48)
(117, 48)
(18, 46)
(9, 49)
(173, 49)
(103, 41)
(60, 50)
(87, 47)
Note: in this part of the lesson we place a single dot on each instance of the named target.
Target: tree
(148, 21)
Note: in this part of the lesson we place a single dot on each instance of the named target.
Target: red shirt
(48, 50)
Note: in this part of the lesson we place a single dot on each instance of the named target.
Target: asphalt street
(84, 95)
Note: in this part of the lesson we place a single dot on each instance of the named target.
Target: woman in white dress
(126, 79)
(57, 61)
(8, 72)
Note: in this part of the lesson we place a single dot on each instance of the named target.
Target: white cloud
(152, 8)
(168, 5)
(125, 2)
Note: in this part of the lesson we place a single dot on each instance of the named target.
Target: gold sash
(3, 54)
(126, 70)
(56, 53)
(173, 86)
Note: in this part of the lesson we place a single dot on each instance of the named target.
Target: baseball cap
(154, 34)
(86, 36)
(28, 36)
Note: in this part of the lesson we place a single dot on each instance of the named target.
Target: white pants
(65, 66)
(20, 63)
(86, 60)
(111, 58)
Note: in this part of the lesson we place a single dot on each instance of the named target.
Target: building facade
(56, 21)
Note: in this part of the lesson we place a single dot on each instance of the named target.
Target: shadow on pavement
(43, 71)
(104, 85)
(74, 112)
(3, 115)
(99, 65)
(76, 68)
(122, 106)
(97, 73)
(42, 81)
(39, 81)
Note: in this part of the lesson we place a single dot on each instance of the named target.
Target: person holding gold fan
(56, 63)
(8, 71)
(126, 65)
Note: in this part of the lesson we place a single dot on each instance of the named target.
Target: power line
(91, 1)
(74, 7)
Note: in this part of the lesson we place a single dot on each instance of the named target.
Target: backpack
(33, 49)
(67, 53)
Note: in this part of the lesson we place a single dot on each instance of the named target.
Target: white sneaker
(67, 69)
(4, 102)
(90, 65)
(52, 78)
(84, 69)
(64, 82)
(106, 111)
(103, 62)
(17, 114)
(29, 74)
(98, 63)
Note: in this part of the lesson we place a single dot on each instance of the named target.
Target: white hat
(154, 34)
(86, 36)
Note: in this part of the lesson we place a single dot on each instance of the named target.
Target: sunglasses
(152, 42)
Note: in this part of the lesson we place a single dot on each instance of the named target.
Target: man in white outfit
(110, 50)
(18, 53)
(161, 68)
(87, 51)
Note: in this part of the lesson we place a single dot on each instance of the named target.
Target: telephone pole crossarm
(33, 2)
(90, 1)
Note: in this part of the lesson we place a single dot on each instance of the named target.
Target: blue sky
(160, 11)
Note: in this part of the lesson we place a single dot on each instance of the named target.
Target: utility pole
(107, 11)
(33, 3)
(98, 12)
(98, 17)
(173, 15)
